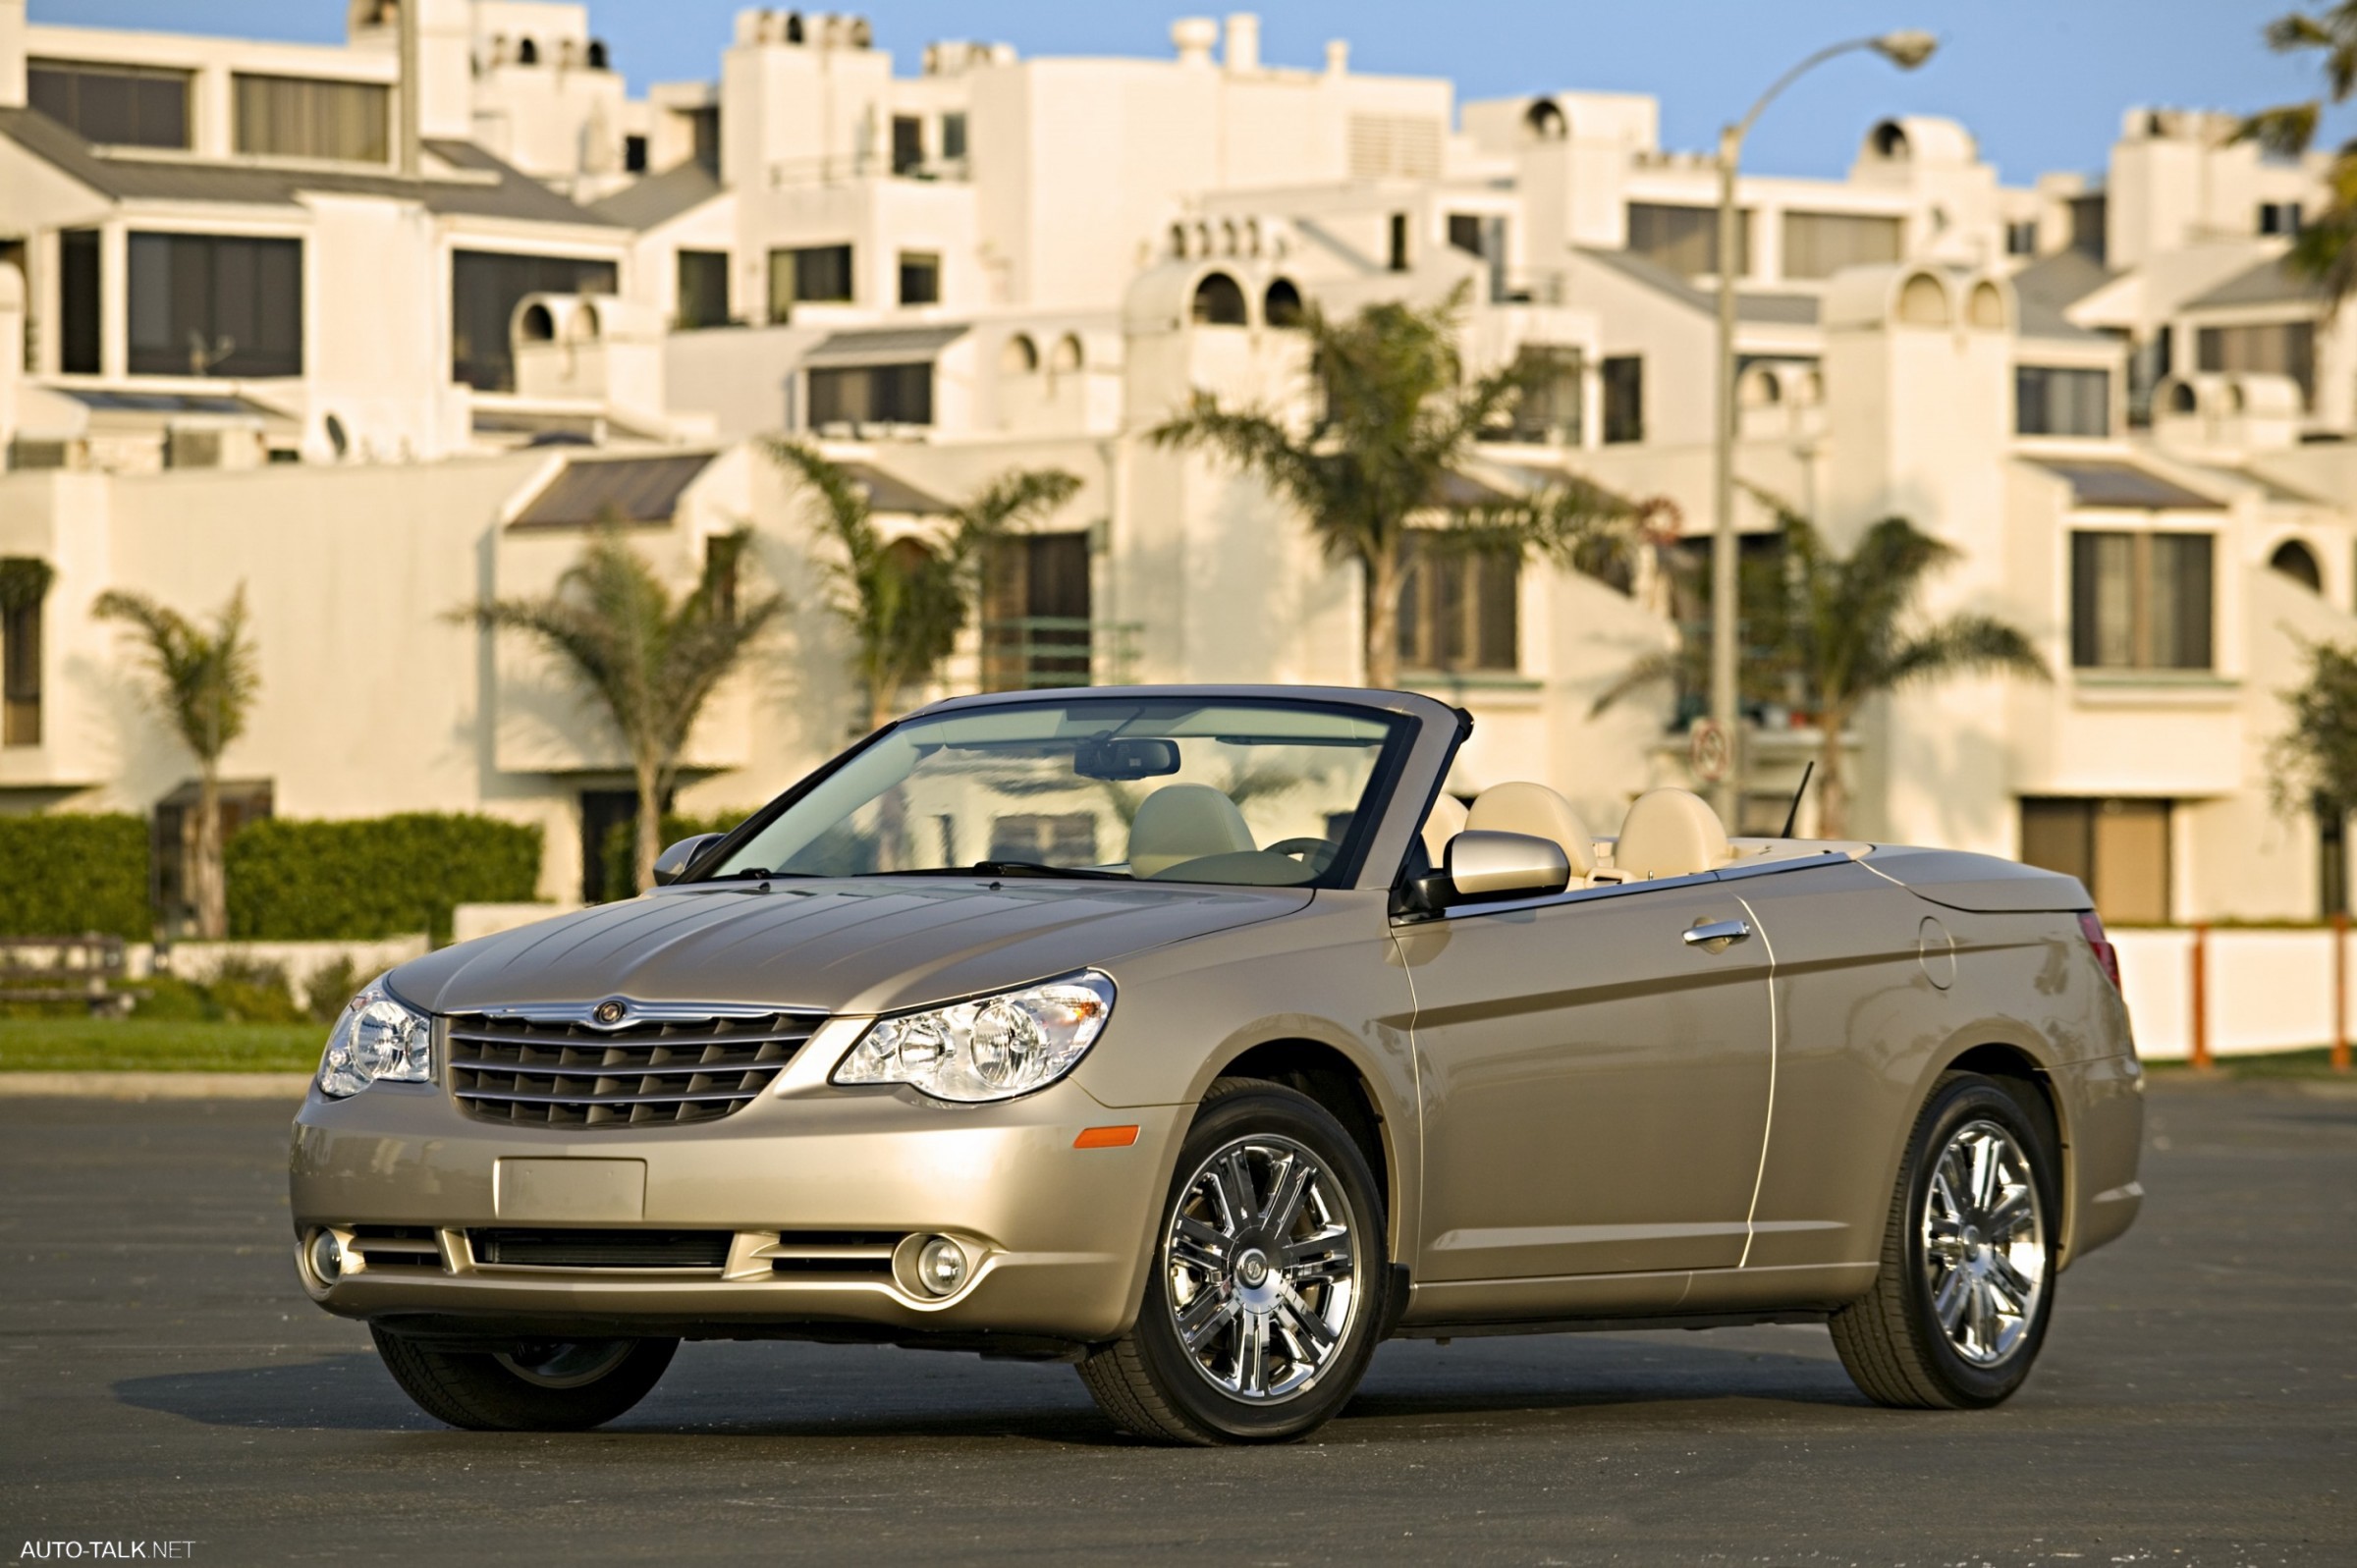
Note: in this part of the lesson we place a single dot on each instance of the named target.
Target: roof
(2050, 284)
(2095, 482)
(878, 345)
(508, 193)
(165, 402)
(890, 494)
(660, 198)
(2270, 283)
(2275, 490)
(592, 489)
(1780, 309)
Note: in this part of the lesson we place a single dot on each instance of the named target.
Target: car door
(1595, 1085)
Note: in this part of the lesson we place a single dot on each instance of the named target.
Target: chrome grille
(655, 1065)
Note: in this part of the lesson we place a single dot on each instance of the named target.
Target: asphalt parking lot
(162, 1377)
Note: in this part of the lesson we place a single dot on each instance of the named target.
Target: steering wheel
(1316, 854)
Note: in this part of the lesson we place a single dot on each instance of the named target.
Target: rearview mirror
(1485, 864)
(1125, 759)
(672, 862)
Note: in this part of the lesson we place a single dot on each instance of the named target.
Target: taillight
(2091, 925)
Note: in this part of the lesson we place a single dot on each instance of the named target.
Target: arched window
(1544, 121)
(2182, 397)
(597, 54)
(2298, 563)
(793, 26)
(1282, 305)
(1067, 357)
(1219, 302)
(528, 53)
(1988, 306)
(1921, 303)
(1760, 388)
(539, 326)
(1890, 140)
(1019, 357)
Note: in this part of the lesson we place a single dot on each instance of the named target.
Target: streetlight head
(1906, 48)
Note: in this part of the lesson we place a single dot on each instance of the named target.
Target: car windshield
(1264, 793)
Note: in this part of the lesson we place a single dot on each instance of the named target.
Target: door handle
(1717, 935)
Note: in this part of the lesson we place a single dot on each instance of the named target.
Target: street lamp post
(1906, 50)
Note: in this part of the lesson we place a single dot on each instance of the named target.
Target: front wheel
(1266, 1288)
(544, 1386)
(1968, 1284)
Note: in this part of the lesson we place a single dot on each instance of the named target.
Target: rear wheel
(1266, 1288)
(540, 1385)
(1960, 1308)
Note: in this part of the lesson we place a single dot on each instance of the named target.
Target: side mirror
(1483, 865)
(679, 857)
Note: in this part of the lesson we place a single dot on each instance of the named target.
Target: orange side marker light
(1106, 1138)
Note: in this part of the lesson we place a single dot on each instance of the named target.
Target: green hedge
(375, 876)
(68, 874)
(674, 827)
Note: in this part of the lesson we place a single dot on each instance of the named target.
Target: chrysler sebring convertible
(1195, 1036)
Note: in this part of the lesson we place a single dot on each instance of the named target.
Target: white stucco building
(256, 330)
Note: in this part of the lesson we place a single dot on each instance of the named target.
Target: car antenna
(1793, 816)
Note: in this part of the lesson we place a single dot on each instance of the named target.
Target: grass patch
(2314, 1062)
(156, 1044)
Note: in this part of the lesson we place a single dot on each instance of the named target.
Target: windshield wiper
(1011, 868)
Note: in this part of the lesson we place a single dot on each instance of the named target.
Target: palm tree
(1835, 632)
(205, 682)
(906, 600)
(1396, 420)
(651, 662)
(2327, 247)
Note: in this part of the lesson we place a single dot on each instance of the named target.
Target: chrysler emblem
(609, 1013)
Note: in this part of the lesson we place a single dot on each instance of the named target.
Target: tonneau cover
(1983, 883)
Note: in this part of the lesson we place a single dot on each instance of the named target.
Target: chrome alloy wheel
(566, 1363)
(1983, 1243)
(1262, 1268)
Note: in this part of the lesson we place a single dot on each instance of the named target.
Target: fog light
(941, 1265)
(327, 1258)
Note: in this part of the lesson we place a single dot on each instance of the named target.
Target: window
(953, 135)
(703, 133)
(1396, 259)
(1548, 412)
(1464, 232)
(215, 305)
(1623, 378)
(78, 291)
(2087, 217)
(485, 287)
(2119, 848)
(703, 288)
(920, 278)
(2140, 601)
(634, 154)
(123, 106)
(859, 395)
(1685, 240)
(1065, 838)
(24, 584)
(1218, 301)
(907, 143)
(1457, 608)
(2021, 239)
(298, 117)
(2267, 348)
(2279, 217)
(2149, 364)
(2298, 563)
(1036, 612)
(1818, 245)
(809, 275)
(2049, 400)
(1281, 306)
(2331, 860)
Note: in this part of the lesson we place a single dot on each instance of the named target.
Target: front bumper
(1059, 1236)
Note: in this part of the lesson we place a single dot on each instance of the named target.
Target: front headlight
(992, 1048)
(376, 1038)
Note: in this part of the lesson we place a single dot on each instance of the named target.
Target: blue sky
(2042, 82)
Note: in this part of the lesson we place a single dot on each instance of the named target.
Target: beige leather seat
(1671, 833)
(1184, 822)
(1444, 822)
(1541, 813)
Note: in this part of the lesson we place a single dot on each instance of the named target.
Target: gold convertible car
(1195, 1036)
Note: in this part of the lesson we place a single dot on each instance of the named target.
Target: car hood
(864, 946)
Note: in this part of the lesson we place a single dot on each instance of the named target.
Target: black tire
(1152, 1386)
(1893, 1340)
(565, 1386)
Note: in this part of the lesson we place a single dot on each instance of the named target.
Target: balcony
(1035, 653)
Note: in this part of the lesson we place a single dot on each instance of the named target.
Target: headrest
(1184, 822)
(1444, 822)
(1671, 833)
(1538, 811)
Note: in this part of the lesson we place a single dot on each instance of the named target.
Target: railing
(838, 168)
(1031, 653)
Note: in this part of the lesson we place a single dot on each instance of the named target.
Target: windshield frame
(1409, 734)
